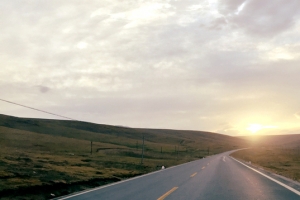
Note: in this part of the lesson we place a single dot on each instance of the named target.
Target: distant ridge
(289, 140)
(87, 131)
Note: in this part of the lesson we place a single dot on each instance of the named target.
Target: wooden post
(143, 150)
(91, 147)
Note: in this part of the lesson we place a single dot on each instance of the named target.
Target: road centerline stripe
(272, 179)
(203, 167)
(167, 194)
(194, 174)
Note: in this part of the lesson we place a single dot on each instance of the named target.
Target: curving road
(215, 177)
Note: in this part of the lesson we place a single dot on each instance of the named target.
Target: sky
(225, 66)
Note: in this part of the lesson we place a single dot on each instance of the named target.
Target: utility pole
(91, 147)
(143, 150)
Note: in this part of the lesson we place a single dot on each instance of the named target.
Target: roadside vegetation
(43, 159)
(281, 160)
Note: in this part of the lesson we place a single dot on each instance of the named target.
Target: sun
(253, 128)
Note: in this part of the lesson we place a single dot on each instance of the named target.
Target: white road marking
(119, 182)
(272, 179)
(224, 158)
(105, 186)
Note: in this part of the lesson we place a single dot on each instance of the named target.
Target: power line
(37, 109)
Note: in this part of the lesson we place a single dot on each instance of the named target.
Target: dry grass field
(42, 158)
(277, 159)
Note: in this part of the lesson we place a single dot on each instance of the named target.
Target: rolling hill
(39, 157)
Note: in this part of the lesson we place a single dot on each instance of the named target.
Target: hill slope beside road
(285, 162)
(41, 158)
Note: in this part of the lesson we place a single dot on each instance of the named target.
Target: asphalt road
(215, 177)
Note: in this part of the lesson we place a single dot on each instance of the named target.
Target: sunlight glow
(280, 53)
(254, 128)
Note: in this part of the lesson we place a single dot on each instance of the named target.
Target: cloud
(263, 18)
(228, 7)
(228, 129)
(43, 89)
(297, 115)
(172, 64)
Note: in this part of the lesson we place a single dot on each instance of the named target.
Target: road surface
(215, 177)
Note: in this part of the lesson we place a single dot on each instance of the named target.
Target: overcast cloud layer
(220, 66)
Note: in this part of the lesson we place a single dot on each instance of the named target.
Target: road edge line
(272, 179)
(119, 182)
(104, 186)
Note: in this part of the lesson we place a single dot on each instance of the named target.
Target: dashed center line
(203, 167)
(194, 174)
(167, 194)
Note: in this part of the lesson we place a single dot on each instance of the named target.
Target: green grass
(47, 156)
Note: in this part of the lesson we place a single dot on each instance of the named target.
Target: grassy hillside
(276, 153)
(285, 162)
(40, 157)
